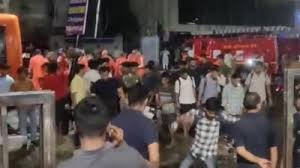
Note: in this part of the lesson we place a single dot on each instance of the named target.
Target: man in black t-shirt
(194, 71)
(254, 137)
(109, 90)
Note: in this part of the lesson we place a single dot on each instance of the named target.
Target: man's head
(91, 118)
(61, 52)
(165, 78)
(150, 66)
(184, 73)
(93, 64)
(4, 68)
(252, 102)
(104, 72)
(212, 107)
(79, 69)
(22, 73)
(214, 73)
(236, 80)
(104, 52)
(297, 103)
(52, 67)
(221, 59)
(182, 64)
(38, 52)
(138, 97)
(192, 63)
(259, 67)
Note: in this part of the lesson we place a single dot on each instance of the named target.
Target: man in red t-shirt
(57, 82)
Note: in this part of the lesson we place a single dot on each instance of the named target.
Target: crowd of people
(109, 99)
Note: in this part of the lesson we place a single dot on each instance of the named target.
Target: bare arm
(243, 152)
(157, 101)
(153, 155)
(274, 156)
(269, 93)
(122, 96)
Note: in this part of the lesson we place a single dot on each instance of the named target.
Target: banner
(241, 48)
(77, 14)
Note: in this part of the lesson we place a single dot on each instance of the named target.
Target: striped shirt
(206, 139)
(232, 99)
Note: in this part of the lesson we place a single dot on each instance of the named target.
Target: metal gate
(292, 77)
(47, 124)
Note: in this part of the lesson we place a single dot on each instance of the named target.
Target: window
(3, 58)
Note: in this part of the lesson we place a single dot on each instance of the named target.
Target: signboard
(243, 49)
(77, 14)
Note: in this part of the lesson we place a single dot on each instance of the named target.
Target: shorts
(168, 108)
(184, 108)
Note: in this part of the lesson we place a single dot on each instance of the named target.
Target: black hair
(182, 63)
(150, 65)
(221, 56)
(251, 100)
(93, 63)
(78, 68)
(104, 69)
(259, 63)
(166, 75)
(52, 67)
(91, 117)
(190, 59)
(213, 104)
(137, 94)
(213, 68)
(236, 76)
(22, 70)
(37, 51)
(183, 71)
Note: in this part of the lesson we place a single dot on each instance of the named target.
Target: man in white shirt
(185, 97)
(232, 99)
(6, 80)
(165, 55)
(258, 81)
(92, 75)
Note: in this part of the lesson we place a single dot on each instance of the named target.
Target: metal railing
(289, 110)
(47, 124)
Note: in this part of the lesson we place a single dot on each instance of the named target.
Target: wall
(171, 22)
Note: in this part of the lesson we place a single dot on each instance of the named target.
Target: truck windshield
(3, 58)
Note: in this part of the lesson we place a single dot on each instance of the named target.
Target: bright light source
(250, 62)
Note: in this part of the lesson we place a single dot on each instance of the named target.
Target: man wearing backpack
(258, 81)
(185, 94)
(209, 86)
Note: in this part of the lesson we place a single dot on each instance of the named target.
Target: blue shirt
(139, 131)
(254, 131)
(5, 83)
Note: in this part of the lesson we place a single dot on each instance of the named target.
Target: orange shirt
(118, 65)
(136, 58)
(63, 65)
(35, 67)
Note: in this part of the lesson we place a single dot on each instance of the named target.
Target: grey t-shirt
(123, 156)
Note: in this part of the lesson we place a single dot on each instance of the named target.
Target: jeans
(30, 112)
(189, 161)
